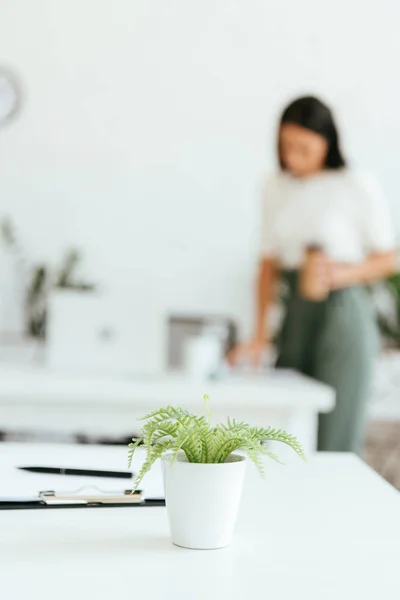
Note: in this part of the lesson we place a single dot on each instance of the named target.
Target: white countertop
(327, 529)
(280, 389)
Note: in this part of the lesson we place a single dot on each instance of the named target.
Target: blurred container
(310, 288)
(182, 328)
(203, 354)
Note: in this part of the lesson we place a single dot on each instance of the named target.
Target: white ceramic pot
(203, 500)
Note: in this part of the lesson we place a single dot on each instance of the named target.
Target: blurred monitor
(107, 333)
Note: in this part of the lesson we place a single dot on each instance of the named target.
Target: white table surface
(276, 388)
(35, 399)
(328, 529)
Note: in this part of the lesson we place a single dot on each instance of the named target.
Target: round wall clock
(10, 96)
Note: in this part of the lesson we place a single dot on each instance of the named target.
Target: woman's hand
(374, 267)
(341, 276)
(322, 272)
(252, 350)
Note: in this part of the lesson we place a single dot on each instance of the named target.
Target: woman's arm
(265, 296)
(267, 276)
(376, 266)
(266, 292)
(377, 235)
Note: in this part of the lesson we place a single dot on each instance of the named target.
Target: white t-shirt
(342, 211)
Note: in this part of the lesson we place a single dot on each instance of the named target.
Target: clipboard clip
(90, 496)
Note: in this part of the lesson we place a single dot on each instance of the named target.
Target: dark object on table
(79, 472)
(105, 440)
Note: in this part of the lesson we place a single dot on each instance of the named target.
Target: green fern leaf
(175, 429)
(132, 448)
(155, 453)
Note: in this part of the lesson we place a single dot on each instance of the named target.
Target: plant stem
(207, 403)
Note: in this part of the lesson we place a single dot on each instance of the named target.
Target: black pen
(79, 472)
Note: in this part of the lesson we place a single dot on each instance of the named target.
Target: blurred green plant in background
(42, 279)
(389, 320)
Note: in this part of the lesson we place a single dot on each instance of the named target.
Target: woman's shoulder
(273, 192)
(361, 181)
(273, 182)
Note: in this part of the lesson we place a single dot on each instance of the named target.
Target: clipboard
(85, 497)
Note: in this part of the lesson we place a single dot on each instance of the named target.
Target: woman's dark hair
(312, 114)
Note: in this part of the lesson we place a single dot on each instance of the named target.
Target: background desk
(42, 399)
(329, 529)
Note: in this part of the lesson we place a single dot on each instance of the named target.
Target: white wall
(148, 126)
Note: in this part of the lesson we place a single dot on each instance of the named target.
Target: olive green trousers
(336, 342)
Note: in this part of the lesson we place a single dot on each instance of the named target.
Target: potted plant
(39, 281)
(203, 470)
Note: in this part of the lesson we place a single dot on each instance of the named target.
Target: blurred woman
(326, 231)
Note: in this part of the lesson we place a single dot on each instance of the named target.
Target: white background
(148, 127)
